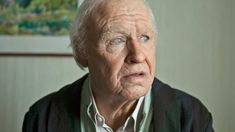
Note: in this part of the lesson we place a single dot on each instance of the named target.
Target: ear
(81, 59)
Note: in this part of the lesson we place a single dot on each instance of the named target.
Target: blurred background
(195, 54)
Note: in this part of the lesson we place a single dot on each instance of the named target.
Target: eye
(144, 38)
(118, 41)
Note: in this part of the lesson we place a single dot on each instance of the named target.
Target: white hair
(79, 28)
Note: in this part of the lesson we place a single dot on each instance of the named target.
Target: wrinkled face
(121, 49)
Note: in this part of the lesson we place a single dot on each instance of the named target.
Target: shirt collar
(98, 119)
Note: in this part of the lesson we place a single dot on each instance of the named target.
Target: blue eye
(144, 38)
(118, 40)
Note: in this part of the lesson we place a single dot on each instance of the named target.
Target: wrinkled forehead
(109, 10)
(112, 6)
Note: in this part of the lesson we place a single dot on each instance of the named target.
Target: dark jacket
(173, 111)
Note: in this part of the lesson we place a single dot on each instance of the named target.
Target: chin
(134, 92)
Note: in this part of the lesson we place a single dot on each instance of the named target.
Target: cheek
(97, 65)
(109, 67)
(151, 59)
(153, 62)
(115, 68)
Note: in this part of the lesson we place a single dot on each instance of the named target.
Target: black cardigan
(173, 111)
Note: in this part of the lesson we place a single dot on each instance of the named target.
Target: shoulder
(53, 105)
(63, 94)
(183, 99)
(181, 107)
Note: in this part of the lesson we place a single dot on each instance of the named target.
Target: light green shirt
(89, 112)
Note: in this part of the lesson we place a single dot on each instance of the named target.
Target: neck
(115, 111)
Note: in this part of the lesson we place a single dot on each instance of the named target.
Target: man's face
(121, 49)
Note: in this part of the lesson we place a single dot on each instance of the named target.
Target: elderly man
(116, 41)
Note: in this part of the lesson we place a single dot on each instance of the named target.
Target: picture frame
(36, 45)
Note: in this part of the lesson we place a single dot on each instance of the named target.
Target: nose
(135, 52)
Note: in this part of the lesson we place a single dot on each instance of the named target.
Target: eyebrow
(109, 30)
(114, 29)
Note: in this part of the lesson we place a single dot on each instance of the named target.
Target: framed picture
(36, 27)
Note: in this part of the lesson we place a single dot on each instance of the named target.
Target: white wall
(195, 54)
(23, 80)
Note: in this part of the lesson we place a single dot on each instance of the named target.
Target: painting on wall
(36, 27)
(36, 17)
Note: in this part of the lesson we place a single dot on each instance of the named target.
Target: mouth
(135, 76)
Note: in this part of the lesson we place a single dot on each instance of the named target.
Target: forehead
(112, 6)
(121, 12)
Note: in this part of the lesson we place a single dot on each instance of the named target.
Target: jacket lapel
(165, 108)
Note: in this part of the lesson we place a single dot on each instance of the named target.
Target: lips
(134, 76)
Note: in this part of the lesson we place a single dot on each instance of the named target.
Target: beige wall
(195, 54)
(24, 80)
